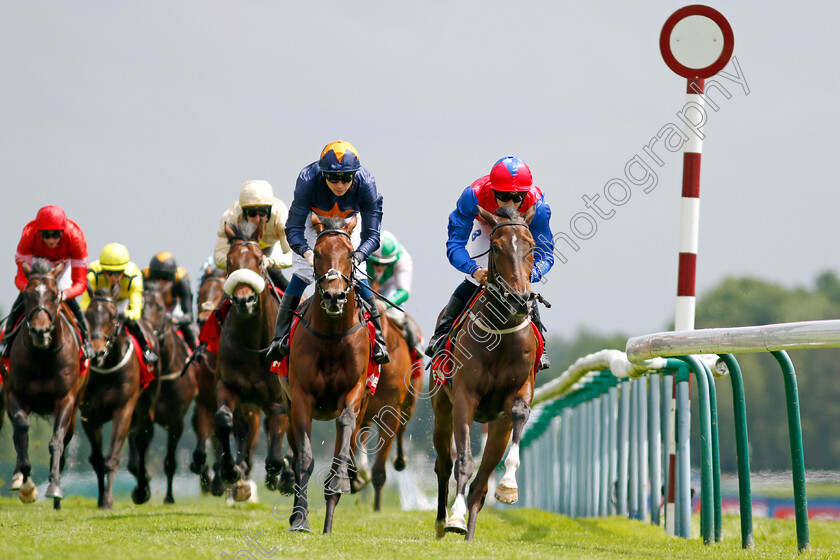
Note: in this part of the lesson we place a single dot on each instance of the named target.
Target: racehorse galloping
(43, 375)
(328, 364)
(176, 390)
(390, 408)
(114, 393)
(246, 418)
(243, 374)
(493, 381)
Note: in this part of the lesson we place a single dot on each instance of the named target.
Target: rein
(43, 308)
(118, 327)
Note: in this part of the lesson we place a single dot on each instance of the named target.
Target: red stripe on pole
(695, 86)
(672, 466)
(685, 276)
(691, 175)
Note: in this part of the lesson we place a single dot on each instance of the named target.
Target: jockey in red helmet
(508, 184)
(51, 236)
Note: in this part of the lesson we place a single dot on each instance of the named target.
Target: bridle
(333, 274)
(32, 312)
(118, 327)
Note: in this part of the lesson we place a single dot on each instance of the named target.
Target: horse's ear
(316, 223)
(351, 224)
(229, 231)
(489, 219)
(529, 215)
(208, 271)
(58, 269)
(27, 269)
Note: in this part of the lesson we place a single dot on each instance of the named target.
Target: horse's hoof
(204, 481)
(356, 485)
(287, 483)
(17, 480)
(241, 491)
(229, 473)
(169, 500)
(217, 486)
(300, 527)
(140, 495)
(54, 491)
(197, 468)
(456, 525)
(399, 464)
(363, 475)
(272, 482)
(338, 484)
(28, 492)
(440, 532)
(506, 494)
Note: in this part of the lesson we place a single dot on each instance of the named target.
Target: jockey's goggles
(113, 272)
(254, 211)
(51, 233)
(339, 177)
(509, 197)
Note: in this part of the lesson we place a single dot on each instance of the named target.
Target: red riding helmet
(510, 174)
(51, 218)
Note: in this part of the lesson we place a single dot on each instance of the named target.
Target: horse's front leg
(276, 425)
(19, 416)
(64, 412)
(494, 449)
(227, 402)
(442, 440)
(142, 432)
(463, 411)
(301, 421)
(120, 424)
(507, 492)
(176, 429)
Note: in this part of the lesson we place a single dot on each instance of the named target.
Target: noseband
(52, 316)
(333, 274)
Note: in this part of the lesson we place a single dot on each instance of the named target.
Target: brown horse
(246, 418)
(328, 363)
(493, 379)
(177, 390)
(43, 375)
(390, 408)
(114, 394)
(242, 374)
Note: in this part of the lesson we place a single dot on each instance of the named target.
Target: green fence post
(797, 456)
(715, 455)
(739, 405)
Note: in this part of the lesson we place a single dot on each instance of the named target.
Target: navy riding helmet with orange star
(312, 194)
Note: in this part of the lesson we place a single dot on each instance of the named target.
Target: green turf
(207, 528)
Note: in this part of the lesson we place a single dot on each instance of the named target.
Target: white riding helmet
(256, 193)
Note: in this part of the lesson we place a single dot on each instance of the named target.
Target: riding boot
(279, 347)
(452, 311)
(410, 334)
(535, 317)
(87, 349)
(10, 331)
(189, 336)
(380, 348)
(148, 356)
(278, 278)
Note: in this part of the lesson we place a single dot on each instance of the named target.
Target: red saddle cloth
(212, 328)
(443, 365)
(147, 374)
(84, 365)
(281, 367)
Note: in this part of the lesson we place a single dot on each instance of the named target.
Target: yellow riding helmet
(114, 256)
(256, 193)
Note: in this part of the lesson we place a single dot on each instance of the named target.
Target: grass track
(206, 528)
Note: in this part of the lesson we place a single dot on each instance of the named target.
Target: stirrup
(5, 348)
(380, 354)
(544, 363)
(150, 357)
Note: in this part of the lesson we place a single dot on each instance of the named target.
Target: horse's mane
(333, 223)
(509, 212)
(41, 266)
(103, 293)
(243, 231)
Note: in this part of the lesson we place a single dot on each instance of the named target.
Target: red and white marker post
(696, 43)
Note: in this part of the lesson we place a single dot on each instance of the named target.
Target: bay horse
(328, 363)
(114, 393)
(242, 370)
(390, 408)
(245, 418)
(177, 388)
(493, 381)
(43, 375)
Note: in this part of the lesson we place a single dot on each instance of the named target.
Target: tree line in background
(734, 302)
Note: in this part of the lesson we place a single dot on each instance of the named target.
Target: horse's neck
(122, 344)
(327, 324)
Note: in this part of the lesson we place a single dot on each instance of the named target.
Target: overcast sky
(143, 119)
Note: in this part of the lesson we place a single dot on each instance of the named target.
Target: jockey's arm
(135, 298)
(90, 288)
(544, 250)
(183, 293)
(460, 225)
(298, 214)
(220, 251)
(403, 273)
(370, 202)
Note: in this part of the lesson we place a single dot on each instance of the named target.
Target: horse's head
(333, 262)
(154, 304)
(104, 321)
(210, 293)
(245, 282)
(41, 299)
(511, 257)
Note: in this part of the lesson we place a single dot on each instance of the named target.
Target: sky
(143, 119)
